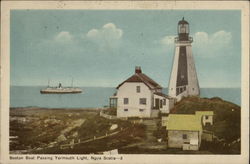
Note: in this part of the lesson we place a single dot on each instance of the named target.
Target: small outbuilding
(184, 131)
(206, 117)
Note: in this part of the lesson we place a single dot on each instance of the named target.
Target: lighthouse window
(182, 30)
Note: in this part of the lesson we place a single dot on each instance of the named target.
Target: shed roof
(184, 122)
(204, 113)
(141, 77)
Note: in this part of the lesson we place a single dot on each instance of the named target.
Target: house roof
(162, 95)
(184, 122)
(141, 77)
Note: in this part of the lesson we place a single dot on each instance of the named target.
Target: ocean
(94, 97)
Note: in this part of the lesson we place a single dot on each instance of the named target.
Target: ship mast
(72, 82)
(48, 82)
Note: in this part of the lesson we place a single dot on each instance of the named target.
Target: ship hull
(56, 92)
(60, 91)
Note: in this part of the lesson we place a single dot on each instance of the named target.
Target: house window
(143, 101)
(125, 101)
(138, 89)
(141, 110)
(164, 101)
(184, 136)
(125, 110)
(206, 117)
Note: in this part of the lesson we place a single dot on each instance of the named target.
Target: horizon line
(110, 86)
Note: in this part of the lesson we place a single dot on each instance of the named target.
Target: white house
(140, 96)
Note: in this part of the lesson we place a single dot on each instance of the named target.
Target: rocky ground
(83, 131)
(36, 130)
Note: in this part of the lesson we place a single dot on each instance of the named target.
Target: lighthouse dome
(182, 21)
(183, 30)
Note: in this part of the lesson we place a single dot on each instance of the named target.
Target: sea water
(93, 97)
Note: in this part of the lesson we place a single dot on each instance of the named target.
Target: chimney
(137, 69)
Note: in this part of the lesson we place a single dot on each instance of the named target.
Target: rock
(159, 140)
(113, 127)
(61, 138)
(75, 134)
(111, 152)
(46, 121)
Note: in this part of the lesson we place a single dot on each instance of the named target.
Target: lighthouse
(183, 80)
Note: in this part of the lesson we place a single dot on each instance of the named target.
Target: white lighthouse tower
(183, 80)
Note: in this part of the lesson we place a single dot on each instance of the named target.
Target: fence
(72, 144)
(110, 117)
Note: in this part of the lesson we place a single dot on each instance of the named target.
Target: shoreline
(48, 108)
(215, 98)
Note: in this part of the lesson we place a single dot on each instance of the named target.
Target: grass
(43, 126)
(111, 111)
(131, 135)
(226, 126)
(226, 114)
(226, 119)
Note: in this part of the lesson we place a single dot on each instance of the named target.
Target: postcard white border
(6, 6)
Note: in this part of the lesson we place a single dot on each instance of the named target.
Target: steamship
(60, 90)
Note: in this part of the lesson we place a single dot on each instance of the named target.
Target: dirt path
(150, 141)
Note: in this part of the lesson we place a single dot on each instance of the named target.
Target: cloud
(167, 40)
(63, 37)
(107, 36)
(201, 37)
(218, 43)
(217, 39)
(205, 44)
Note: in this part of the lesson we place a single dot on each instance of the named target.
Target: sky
(102, 47)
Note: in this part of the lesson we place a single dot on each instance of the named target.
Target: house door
(157, 103)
